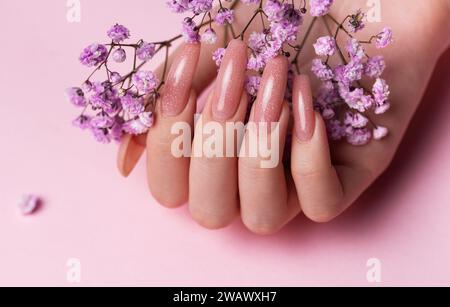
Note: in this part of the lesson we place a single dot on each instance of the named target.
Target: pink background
(122, 237)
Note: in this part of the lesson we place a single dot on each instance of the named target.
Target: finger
(130, 152)
(262, 183)
(213, 185)
(322, 191)
(167, 159)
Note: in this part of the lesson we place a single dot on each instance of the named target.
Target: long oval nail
(179, 80)
(230, 81)
(272, 91)
(303, 108)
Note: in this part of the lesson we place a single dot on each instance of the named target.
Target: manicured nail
(304, 116)
(271, 92)
(230, 81)
(179, 80)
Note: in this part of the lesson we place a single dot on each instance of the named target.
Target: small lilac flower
(252, 85)
(250, 1)
(381, 108)
(145, 81)
(353, 71)
(101, 121)
(119, 55)
(139, 125)
(224, 16)
(325, 46)
(374, 67)
(356, 22)
(116, 131)
(115, 77)
(355, 120)
(356, 99)
(133, 105)
(86, 86)
(118, 33)
(218, 56)
(380, 132)
(82, 122)
(355, 49)
(28, 204)
(189, 31)
(146, 51)
(384, 39)
(200, 6)
(322, 71)
(178, 6)
(101, 135)
(76, 96)
(358, 137)
(380, 91)
(209, 37)
(93, 55)
(320, 7)
(335, 129)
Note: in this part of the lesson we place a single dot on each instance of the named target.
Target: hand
(323, 181)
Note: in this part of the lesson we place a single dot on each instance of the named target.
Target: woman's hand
(323, 179)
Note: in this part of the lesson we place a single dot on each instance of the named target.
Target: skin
(324, 179)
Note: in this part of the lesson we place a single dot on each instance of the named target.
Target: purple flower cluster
(123, 103)
(117, 105)
(320, 7)
(342, 99)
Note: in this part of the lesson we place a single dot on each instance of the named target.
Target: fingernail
(230, 81)
(303, 108)
(179, 80)
(272, 90)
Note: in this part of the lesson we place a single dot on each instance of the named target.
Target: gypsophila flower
(218, 56)
(115, 77)
(375, 66)
(355, 120)
(358, 137)
(146, 51)
(380, 91)
(93, 55)
(320, 7)
(178, 6)
(355, 49)
(252, 84)
(384, 39)
(28, 204)
(119, 55)
(101, 135)
(101, 121)
(76, 96)
(325, 46)
(322, 71)
(118, 33)
(250, 1)
(356, 22)
(209, 37)
(190, 31)
(224, 16)
(125, 102)
(145, 81)
(380, 133)
(133, 105)
(82, 122)
(139, 125)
